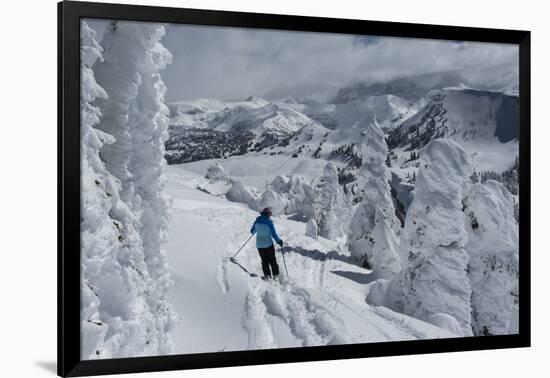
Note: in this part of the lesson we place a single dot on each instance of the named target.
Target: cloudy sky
(234, 63)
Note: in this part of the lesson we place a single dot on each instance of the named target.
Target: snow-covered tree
(216, 172)
(110, 289)
(280, 184)
(301, 198)
(298, 193)
(149, 133)
(331, 208)
(238, 192)
(290, 195)
(382, 254)
(99, 194)
(311, 229)
(434, 278)
(375, 210)
(493, 249)
(133, 291)
(275, 201)
(376, 176)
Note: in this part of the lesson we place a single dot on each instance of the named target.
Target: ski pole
(245, 243)
(284, 261)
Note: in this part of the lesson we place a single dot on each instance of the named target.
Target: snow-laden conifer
(375, 213)
(216, 172)
(133, 292)
(238, 192)
(99, 194)
(275, 201)
(311, 229)
(331, 208)
(493, 248)
(434, 279)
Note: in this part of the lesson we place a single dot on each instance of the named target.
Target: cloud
(367, 40)
(234, 63)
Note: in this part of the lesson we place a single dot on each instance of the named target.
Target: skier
(265, 230)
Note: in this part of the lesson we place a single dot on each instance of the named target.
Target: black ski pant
(269, 262)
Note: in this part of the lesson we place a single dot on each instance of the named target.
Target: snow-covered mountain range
(412, 112)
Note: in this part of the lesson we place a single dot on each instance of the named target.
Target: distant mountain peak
(257, 100)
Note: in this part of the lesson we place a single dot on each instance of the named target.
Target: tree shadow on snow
(298, 218)
(361, 278)
(315, 254)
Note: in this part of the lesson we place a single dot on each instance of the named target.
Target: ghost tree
(331, 207)
(374, 227)
(493, 248)
(216, 172)
(275, 201)
(99, 194)
(298, 195)
(135, 115)
(238, 192)
(311, 229)
(434, 283)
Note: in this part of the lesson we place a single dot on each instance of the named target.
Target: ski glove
(280, 242)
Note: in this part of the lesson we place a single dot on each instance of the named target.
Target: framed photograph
(239, 188)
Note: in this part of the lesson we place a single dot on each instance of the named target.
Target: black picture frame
(69, 15)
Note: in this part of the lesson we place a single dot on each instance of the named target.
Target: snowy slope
(194, 113)
(250, 116)
(225, 308)
(258, 170)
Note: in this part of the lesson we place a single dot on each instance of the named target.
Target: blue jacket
(264, 230)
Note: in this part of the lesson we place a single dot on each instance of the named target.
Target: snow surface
(260, 170)
(224, 308)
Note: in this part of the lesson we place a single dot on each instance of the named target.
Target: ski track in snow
(224, 308)
(223, 281)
